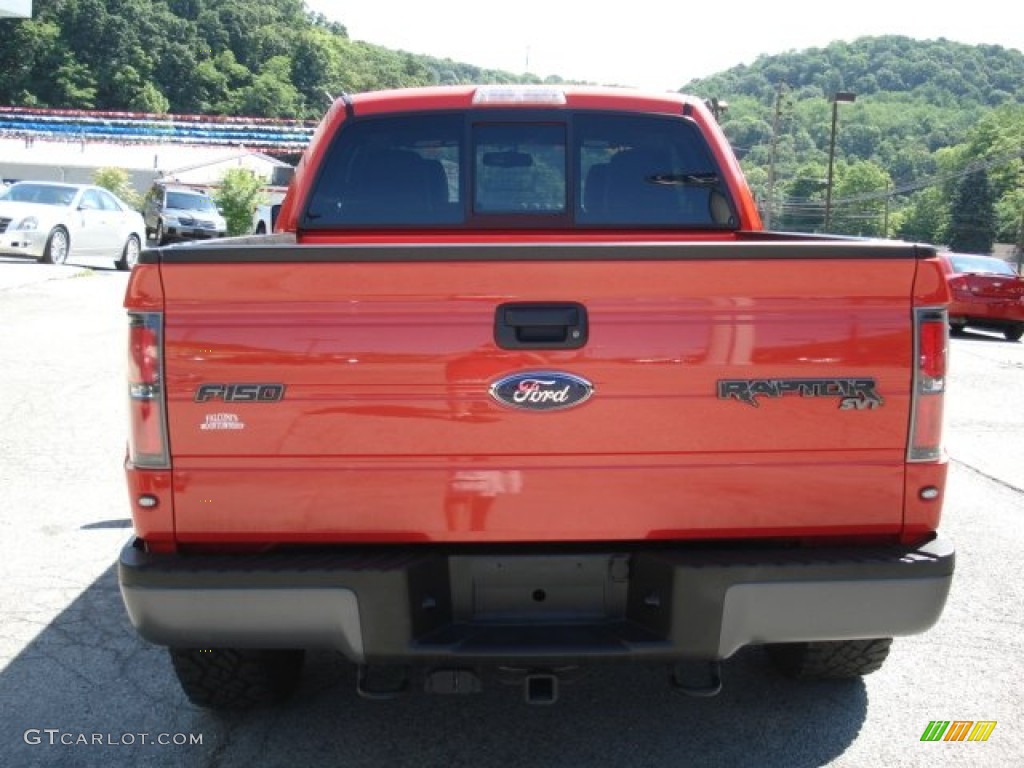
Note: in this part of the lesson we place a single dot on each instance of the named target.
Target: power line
(928, 181)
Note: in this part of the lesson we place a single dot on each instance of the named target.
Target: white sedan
(57, 223)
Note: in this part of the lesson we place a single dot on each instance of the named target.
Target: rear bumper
(1000, 312)
(440, 604)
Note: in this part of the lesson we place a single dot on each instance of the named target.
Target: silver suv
(180, 213)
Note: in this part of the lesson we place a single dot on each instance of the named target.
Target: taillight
(932, 349)
(931, 353)
(147, 439)
(960, 286)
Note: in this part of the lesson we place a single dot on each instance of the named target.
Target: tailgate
(735, 392)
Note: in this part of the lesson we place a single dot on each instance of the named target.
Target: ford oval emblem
(542, 390)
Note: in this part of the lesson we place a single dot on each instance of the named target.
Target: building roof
(158, 158)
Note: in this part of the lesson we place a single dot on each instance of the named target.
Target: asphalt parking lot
(77, 686)
(18, 273)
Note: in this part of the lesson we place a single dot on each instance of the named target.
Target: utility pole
(839, 96)
(1020, 244)
(1020, 227)
(771, 159)
(885, 220)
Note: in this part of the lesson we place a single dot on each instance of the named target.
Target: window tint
(646, 171)
(528, 169)
(519, 168)
(391, 171)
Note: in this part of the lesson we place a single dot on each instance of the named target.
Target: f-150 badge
(853, 394)
(240, 393)
(542, 390)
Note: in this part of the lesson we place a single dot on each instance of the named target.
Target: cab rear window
(541, 170)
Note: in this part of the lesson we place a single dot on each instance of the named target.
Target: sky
(658, 45)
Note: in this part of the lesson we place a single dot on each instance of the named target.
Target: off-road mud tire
(831, 660)
(235, 678)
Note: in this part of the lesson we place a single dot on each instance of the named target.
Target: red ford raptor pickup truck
(519, 385)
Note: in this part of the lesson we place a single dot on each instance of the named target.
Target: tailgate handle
(536, 325)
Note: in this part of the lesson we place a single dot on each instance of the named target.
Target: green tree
(860, 200)
(240, 192)
(1010, 215)
(75, 84)
(998, 140)
(149, 99)
(219, 82)
(272, 93)
(972, 225)
(177, 66)
(312, 63)
(26, 49)
(926, 219)
(801, 206)
(116, 180)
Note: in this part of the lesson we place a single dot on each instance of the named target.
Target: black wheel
(130, 253)
(57, 246)
(832, 660)
(159, 235)
(957, 329)
(1014, 333)
(233, 678)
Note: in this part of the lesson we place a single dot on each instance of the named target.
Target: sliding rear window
(399, 171)
(519, 170)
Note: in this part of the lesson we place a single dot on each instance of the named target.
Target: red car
(987, 294)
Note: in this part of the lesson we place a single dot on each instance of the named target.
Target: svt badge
(853, 394)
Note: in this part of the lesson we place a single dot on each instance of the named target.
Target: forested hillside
(263, 58)
(932, 121)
